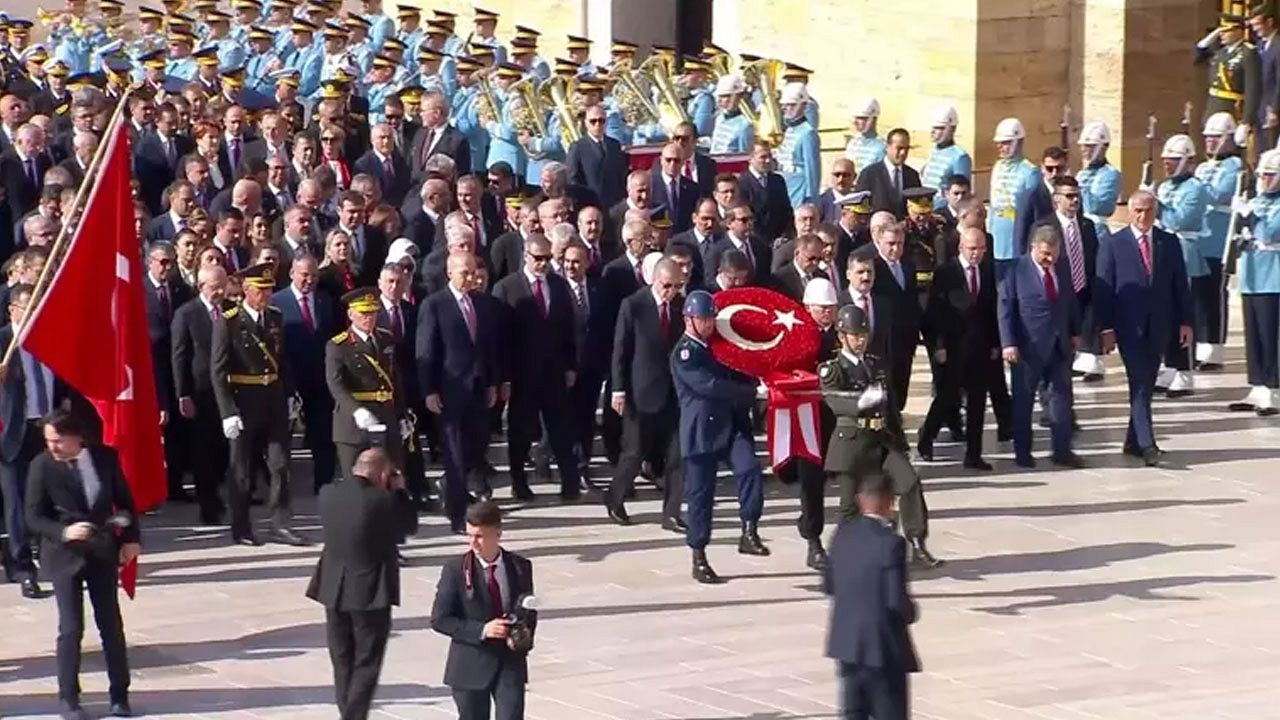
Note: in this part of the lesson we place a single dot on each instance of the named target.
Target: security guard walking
(715, 425)
(360, 371)
(252, 389)
(867, 435)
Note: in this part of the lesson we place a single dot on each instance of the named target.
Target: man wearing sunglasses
(597, 160)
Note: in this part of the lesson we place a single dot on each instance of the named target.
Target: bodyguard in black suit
(701, 238)
(156, 157)
(71, 493)
(163, 296)
(357, 578)
(895, 281)
(1079, 238)
(792, 278)
(597, 161)
(540, 321)
(385, 165)
(665, 177)
(766, 193)
(741, 236)
(475, 597)
(871, 611)
(886, 180)
(593, 325)
(1038, 204)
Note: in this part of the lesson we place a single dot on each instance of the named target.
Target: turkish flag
(90, 328)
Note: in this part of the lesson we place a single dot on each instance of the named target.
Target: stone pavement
(1114, 592)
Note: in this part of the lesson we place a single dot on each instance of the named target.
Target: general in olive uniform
(360, 370)
(867, 438)
(1235, 72)
(251, 386)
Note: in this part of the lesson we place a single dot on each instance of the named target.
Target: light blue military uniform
(1219, 178)
(499, 50)
(615, 125)
(1259, 265)
(1011, 180)
(701, 108)
(283, 43)
(503, 143)
(453, 46)
(466, 118)
(381, 27)
(733, 133)
(1259, 269)
(411, 42)
(810, 108)
(378, 94)
(543, 150)
(799, 162)
(1183, 202)
(184, 68)
(231, 53)
(445, 79)
(256, 73)
(1099, 192)
(362, 56)
(75, 51)
(944, 161)
(308, 61)
(865, 151)
(540, 68)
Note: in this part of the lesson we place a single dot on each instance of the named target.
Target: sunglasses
(670, 160)
(389, 116)
(840, 173)
(540, 258)
(682, 138)
(595, 121)
(328, 138)
(1069, 196)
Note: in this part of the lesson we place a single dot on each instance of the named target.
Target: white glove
(1242, 134)
(871, 397)
(406, 428)
(1146, 187)
(232, 427)
(364, 419)
(1240, 206)
(295, 408)
(1209, 39)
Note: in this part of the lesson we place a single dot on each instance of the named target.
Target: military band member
(733, 131)
(408, 17)
(701, 105)
(947, 159)
(503, 143)
(380, 25)
(334, 55)
(230, 50)
(382, 85)
(1259, 269)
(538, 65)
(1012, 179)
(865, 147)
(358, 46)
(799, 154)
(867, 439)
(247, 14)
(579, 50)
(304, 56)
(252, 389)
(360, 370)
(486, 22)
(1219, 173)
(433, 48)
(179, 62)
(1184, 199)
(1235, 76)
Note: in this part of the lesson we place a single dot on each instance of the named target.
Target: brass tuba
(671, 110)
(557, 92)
(722, 65)
(765, 74)
(487, 104)
(632, 94)
(527, 113)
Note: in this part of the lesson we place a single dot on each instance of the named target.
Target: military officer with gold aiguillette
(866, 440)
(252, 388)
(1235, 74)
(360, 370)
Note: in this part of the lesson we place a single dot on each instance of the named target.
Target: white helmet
(1269, 162)
(869, 107)
(1095, 133)
(945, 116)
(1220, 123)
(1009, 129)
(1178, 147)
(794, 92)
(730, 85)
(820, 291)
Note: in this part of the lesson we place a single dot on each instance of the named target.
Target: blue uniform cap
(699, 304)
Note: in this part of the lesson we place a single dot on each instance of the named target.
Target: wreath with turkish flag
(772, 338)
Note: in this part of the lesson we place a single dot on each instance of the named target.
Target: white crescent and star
(724, 325)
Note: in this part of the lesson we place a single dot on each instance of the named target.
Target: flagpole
(64, 235)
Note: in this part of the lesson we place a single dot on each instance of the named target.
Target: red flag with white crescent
(90, 328)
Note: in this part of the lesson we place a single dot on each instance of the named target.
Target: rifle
(1064, 130)
(1239, 235)
(1185, 123)
(1148, 178)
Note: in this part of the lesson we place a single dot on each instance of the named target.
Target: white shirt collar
(1137, 234)
(254, 315)
(851, 357)
(298, 294)
(388, 303)
(965, 264)
(457, 294)
(533, 279)
(497, 560)
(363, 337)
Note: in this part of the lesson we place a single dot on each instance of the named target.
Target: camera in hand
(522, 617)
(103, 535)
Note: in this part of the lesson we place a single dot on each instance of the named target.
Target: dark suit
(357, 580)
(462, 370)
(681, 210)
(159, 323)
(162, 229)
(869, 633)
(229, 166)
(507, 254)
(1032, 208)
(1089, 254)
(20, 193)
(56, 498)
(1269, 62)
(304, 353)
(641, 371)
(788, 281)
(905, 324)
(1145, 312)
(705, 174)
(703, 272)
(72, 165)
(885, 196)
(593, 324)
(155, 168)
(257, 149)
(543, 342)
(600, 166)
(478, 669)
(769, 202)
(191, 343)
(1041, 328)
(761, 256)
(452, 143)
(394, 185)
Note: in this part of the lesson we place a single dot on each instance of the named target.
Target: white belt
(1220, 208)
(1191, 234)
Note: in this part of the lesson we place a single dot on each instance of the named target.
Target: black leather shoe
(750, 543)
(925, 450)
(180, 496)
(246, 540)
(1151, 457)
(817, 557)
(9, 575)
(288, 537)
(31, 590)
(121, 709)
(1070, 460)
(1075, 426)
(618, 514)
(1209, 367)
(1092, 378)
(1267, 412)
(702, 571)
(977, 464)
(70, 711)
(674, 524)
(1004, 436)
(920, 555)
(522, 492)
(211, 519)
(1025, 462)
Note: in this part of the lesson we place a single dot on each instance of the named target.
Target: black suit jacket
(957, 322)
(642, 353)
(394, 188)
(680, 212)
(593, 331)
(1032, 208)
(601, 166)
(770, 203)
(884, 196)
(303, 348)
(871, 606)
(357, 570)
(761, 253)
(618, 279)
(787, 281)
(452, 143)
(19, 193)
(507, 254)
(1088, 243)
(881, 343)
(462, 607)
(159, 328)
(153, 169)
(704, 271)
(449, 362)
(543, 345)
(905, 300)
(72, 166)
(256, 149)
(13, 400)
(191, 345)
(56, 499)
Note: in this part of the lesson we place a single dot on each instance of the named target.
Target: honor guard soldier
(715, 426)
(799, 154)
(792, 73)
(1099, 180)
(733, 131)
(1235, 74)
(947, 159)
(867, 440)
(252, 392)
(1259, 269)
(865, 147)
(1219, 173)
(1184, 200)
(1012, 179)
(360, 370)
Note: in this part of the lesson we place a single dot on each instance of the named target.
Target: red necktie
(162, 294)
(639, 274)
(1050, 287)
(688, 169)
(213, 313)
(389, 169)
(540, 297)
(1144, 249)
(666, 319)
(469, 315)
(304, 303)
(397, 323)
(348, 280)
(475, 228)
(495, 590)
(973, 282)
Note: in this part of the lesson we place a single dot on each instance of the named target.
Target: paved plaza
(1114, 592)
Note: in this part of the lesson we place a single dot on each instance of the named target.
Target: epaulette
(228, 314)
(275, 310)
(340, 338)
